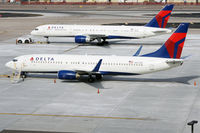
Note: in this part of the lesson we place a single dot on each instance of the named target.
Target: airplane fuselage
(111, 65)
(109, 32)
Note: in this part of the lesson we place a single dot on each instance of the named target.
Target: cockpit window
(14, 60)
(36, 29)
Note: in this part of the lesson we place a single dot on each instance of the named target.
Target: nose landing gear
(23, 75)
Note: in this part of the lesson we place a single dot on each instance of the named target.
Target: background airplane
(89, 33)
(71, 67)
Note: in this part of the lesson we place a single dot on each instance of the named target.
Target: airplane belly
(150, 67)
(154, 67)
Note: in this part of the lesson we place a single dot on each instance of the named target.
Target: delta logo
(55, 27)
(41, 59)
(130, 61)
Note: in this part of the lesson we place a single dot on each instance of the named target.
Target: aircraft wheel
(90, 79)
(100, 44)
(23, 75)
(26, 41)
(19, 41)
(98, 77)
(105, 42)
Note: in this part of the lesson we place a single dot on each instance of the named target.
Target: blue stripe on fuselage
(120, 37)
(116, 73)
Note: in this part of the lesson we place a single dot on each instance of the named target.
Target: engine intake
(81, 39)
(65, 74)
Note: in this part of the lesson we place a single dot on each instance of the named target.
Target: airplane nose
(9, 64)
(32, 32)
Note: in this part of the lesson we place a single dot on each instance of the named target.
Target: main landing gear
(99, 77)
(105, 42)
(91, 78)
(100, 42)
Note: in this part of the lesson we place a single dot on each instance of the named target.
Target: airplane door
(24, 64)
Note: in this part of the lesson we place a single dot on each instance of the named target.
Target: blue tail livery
(161, 19)
(172, 48)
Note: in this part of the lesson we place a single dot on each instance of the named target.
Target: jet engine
(82, 39)
(65, 74)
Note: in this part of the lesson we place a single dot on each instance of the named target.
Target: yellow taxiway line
(5, 76)
(74, 116)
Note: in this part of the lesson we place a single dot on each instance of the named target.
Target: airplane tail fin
(161, 19)
(172, 48)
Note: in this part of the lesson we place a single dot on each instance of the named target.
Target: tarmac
(160, 102)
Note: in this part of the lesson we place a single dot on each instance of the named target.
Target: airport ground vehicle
(25, 40)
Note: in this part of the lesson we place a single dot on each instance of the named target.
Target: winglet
(138, 51)
(96, 69)
(161, 19)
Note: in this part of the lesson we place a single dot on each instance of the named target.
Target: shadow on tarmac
(114, 42)
(98, 84)
(183, 80)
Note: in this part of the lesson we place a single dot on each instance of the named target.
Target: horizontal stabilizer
(174, 61)
(184, 57)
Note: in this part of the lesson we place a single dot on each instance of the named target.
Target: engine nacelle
(81, 39)
(65, 74)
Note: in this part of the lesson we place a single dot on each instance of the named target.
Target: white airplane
(89, 33)
(71, 67)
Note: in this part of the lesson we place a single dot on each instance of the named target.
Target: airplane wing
(98, 37)
(92, 72)
(95, 36)
(101, 38)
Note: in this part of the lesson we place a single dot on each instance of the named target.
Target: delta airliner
(72, 67)
(89, 33)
